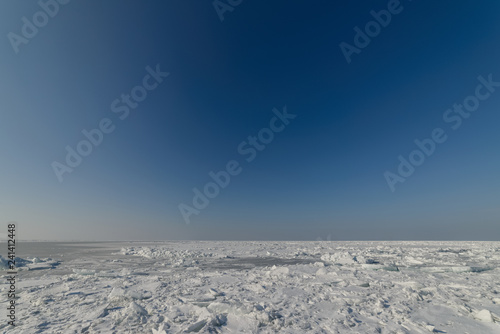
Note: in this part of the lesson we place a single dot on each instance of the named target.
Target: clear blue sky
(322, 175)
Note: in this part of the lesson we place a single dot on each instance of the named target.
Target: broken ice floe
(27, 264)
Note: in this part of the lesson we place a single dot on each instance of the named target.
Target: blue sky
(322, 175)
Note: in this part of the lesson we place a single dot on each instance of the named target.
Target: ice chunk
(321, 272)
(134, 294)
(484, 316)
(430, 328)
(279, 271)
(137, 309)
(343, 258)
(116, 293)
(214, 292)
(196, 327)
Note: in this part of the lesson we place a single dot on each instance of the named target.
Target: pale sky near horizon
(318, 173)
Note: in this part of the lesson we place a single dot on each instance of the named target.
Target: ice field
(256, 287)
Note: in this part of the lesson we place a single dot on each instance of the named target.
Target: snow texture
(262, 287)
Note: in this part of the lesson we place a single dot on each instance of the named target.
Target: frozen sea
(255, 287)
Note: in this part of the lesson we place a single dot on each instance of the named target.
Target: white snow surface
(262, 287)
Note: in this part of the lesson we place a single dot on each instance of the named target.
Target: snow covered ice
(259, 287)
